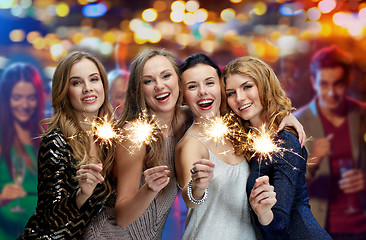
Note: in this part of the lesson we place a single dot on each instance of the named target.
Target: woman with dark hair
(214, 183)
(22, 101)
(73, 169)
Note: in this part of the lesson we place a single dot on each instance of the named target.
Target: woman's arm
(288, 173)
(58, 188)
(291, 121)
(10, 192)
(262, 198)
(190, 166)
(132, 201)
(88, 177)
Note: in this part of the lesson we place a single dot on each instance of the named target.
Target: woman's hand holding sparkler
(262, 198)
(157, 178)
(201, 174)
(88, 177)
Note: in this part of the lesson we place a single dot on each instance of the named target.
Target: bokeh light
(62, 10)
(227, 14)
(17, 35)
(149, 15)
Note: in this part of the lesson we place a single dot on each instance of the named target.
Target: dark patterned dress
(57, 215)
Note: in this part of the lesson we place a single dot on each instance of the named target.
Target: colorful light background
(223, 29)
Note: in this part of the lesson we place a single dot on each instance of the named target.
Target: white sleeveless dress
(225, 214)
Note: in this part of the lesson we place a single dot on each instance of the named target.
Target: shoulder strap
(199, 139)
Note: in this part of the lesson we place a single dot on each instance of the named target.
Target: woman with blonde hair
(73, 168)
(255, 95)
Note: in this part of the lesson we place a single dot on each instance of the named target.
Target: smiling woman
(21, 108)
(86, 91)
(73, 169)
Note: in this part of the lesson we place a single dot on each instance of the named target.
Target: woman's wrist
(266, 218)
(190, 194)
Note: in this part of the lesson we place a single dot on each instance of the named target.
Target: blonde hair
(64, 116)
(271, 94)
(135, 101)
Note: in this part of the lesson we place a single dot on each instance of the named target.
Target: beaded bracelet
(190, 196)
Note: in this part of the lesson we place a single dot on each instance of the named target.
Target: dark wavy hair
(331, 57)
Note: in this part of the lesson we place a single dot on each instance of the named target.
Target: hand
(262, 198)
(291, 120)
(12, 191)
(321, 149)
(202, 173)
(157, 178)
(352, 181)
(88, 177)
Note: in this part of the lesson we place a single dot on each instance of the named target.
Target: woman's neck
(165, 121)
(23, 133)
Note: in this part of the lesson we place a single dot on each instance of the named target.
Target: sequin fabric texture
(57, 215)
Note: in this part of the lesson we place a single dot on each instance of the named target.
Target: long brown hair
(64, 116)
(135, 101)
(271, 94)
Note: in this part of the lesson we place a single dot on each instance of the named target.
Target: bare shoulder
(190, 145)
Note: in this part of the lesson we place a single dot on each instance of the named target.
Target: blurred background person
(118, 81)
(22, 102)
(294, 79)
(337, 161)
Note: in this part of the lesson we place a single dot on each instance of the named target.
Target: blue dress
(292, 216)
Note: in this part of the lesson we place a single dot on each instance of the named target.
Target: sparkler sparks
(137, 132)
(263, 144)
(141, 131)
(104, 130)
(218, 128)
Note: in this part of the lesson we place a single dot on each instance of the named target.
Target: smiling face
(86, 91)
(330, 87)
(202, 92)
(23, 101)
(243, 98)
(160, 85)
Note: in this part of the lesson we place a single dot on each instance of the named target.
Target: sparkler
(219, 128)
(263, 144)
(104, 129)
(138, 132)
(141, 131)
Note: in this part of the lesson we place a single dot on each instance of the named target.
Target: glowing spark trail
(263, 144)
(218, 128)
(141, 131)
(104, 130)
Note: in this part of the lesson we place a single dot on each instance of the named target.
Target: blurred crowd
(326, 88)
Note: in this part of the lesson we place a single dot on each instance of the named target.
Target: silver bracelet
(190, 196)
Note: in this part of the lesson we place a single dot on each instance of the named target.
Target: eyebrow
(91, 75)
(241, 85)
(162, 72)
(206, 79)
